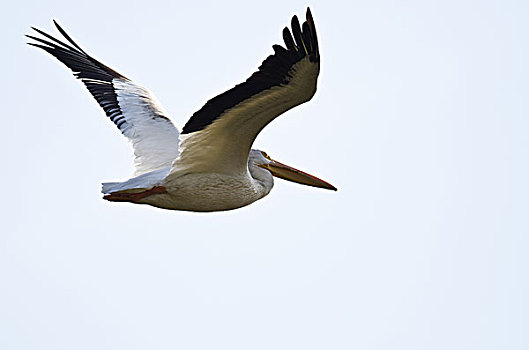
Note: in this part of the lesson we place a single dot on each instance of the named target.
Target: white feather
(144, 181)
(153, 135)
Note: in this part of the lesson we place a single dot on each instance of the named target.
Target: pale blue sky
(420, 120)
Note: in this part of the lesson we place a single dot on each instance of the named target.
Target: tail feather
(108, 187)
(138, 183)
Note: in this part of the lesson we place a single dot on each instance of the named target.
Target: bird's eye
(266, 155)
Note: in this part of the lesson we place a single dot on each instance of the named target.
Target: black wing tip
(314, 37)
(71, 54)
(276, 70)
(294, 20)
(289, 40)
(57, 25)
(302, 39)
(53, 42)
(37, 45)
(70, 40)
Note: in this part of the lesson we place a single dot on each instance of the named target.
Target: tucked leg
(134, 197)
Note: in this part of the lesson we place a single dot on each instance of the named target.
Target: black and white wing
(133, 108)
(219, 136)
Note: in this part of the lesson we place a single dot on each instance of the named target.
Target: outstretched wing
(219, 136)
(133, 108)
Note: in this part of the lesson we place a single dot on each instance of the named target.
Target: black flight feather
(96, 76)
(276, 70)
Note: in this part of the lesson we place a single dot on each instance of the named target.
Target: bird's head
(262, 160)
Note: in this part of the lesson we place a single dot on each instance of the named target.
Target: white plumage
(209, 166)
(154, 138)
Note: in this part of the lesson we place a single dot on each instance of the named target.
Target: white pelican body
(211, 191)
(210, 165)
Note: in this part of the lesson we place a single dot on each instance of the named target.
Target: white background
(420, 120)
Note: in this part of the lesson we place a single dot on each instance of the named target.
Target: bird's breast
(208, 192)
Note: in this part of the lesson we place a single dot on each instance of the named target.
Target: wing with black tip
(219, 136)
(131, 107)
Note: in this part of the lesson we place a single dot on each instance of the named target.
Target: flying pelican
(210, 165)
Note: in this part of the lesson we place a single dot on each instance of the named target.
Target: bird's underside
(209, 166)
(196, 192)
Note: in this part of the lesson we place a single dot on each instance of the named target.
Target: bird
(210, 165)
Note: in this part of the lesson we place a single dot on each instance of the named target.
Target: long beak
(291, 174)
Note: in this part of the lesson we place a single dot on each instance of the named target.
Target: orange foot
(134, 197)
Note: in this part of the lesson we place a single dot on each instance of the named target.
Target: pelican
(209, 165)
